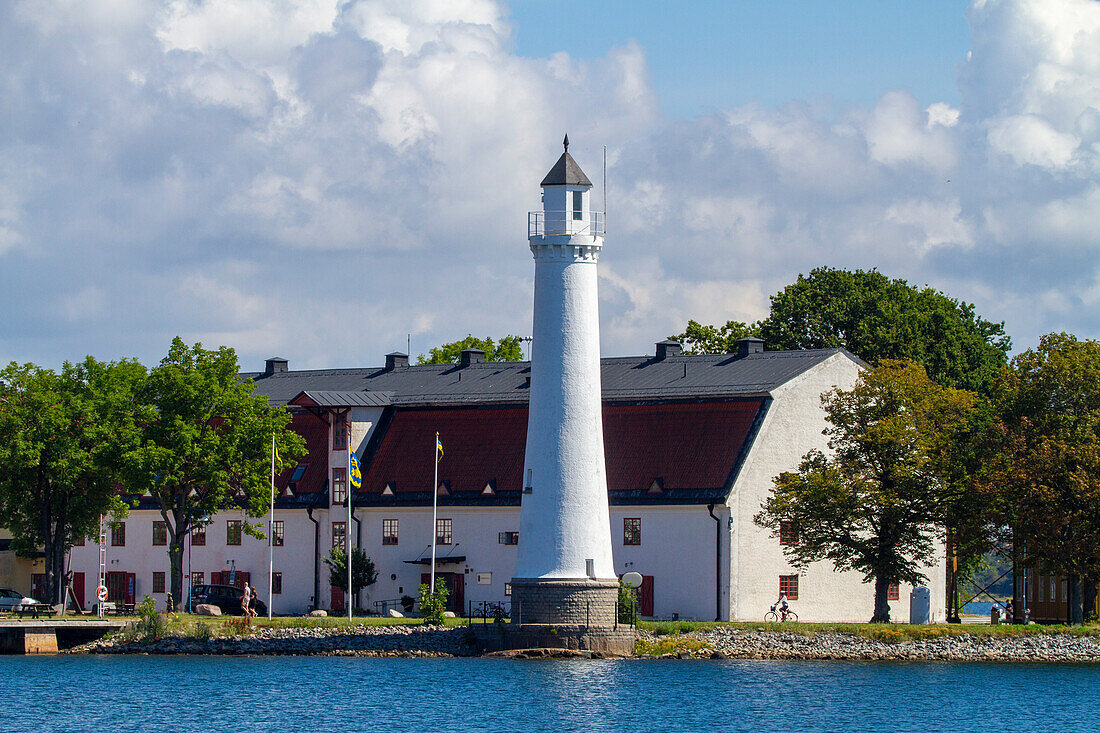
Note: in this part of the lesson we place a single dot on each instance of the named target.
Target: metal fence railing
(542, 223)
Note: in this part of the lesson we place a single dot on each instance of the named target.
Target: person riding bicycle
(782, 607)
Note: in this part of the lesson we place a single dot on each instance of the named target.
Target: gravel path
(736, 643)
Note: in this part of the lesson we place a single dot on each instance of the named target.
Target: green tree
(433, 605)
(363, 571)
(700, 339)
(875, 318)
(61, 438)
(203, 444)
(877, 505)
(510, 348)
(1049, 476)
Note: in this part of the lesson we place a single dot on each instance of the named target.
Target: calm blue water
(206, 694)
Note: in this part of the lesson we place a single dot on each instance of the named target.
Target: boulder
(319, 612)
(448, 614)
(394, 613)
(205, 609)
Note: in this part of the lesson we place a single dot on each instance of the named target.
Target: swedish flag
(439, 449)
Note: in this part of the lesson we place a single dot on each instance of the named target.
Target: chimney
(275, 365)
(750, 345)
(668, 348)
(396, 359)
(471, 356)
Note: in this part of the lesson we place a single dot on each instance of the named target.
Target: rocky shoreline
(722, 642)
(716, 642)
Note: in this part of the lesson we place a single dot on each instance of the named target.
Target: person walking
(246, 604)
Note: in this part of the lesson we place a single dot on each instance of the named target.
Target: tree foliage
(879, 502)
(875, 318)
(1049, 475)
(363, 571)
(433, 604)
(203, 444)
(509, 348)
(61, 438)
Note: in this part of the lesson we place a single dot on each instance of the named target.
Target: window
(233, 532)
(788, 586)
(339, 486)
(160, 533)
(277, 533)
(507, 589)
(893, 592)
(78, 541)
(508, 538)
(276, 583)
(632, 531)
(340, 436)
(1042, 588)
(443, 531)
(389, 531)
(198, 535)
(788, 532)
(578, 205)
(118, 534)
(298, 471)
(158, 582)
(339, 533)
(198, 579)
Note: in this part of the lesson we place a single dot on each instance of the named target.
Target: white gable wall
(792, 427)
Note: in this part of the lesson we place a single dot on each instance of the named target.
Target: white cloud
(321, 178)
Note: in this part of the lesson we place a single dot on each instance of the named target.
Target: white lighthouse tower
(564, 572)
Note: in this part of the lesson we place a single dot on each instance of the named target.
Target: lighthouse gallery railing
(542, 223)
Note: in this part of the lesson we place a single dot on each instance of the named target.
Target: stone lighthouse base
(571, 613)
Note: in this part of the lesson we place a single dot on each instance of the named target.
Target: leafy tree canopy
(877, 504)
(1049, 475)
(61, 438)
(875, 318)
(509, 348)
(204, 443)
(363, 571)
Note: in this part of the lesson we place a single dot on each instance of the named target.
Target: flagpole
(347, 531)
(271, 535)
(435, 497)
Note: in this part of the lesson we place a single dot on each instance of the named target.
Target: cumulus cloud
(318, 179)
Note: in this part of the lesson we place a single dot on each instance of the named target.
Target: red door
(38, 588)
(78, 590)
(336, 601)
(242, 578)
(116, 587)
(645, 596)
(456, 590)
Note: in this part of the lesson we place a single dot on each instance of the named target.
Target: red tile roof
(315, 432)
(691, 447)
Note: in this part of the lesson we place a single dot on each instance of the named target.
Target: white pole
(435, 496)
(271, 536)
(347, 530)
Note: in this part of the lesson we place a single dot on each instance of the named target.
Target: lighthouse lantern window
(577, 205)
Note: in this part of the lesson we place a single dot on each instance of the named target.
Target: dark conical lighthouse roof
(566, 172)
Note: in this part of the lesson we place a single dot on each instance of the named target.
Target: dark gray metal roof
(623, 379)
(343, 398)
(566, 172)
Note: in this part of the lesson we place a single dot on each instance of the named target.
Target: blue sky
(713, 55)
(322, 179)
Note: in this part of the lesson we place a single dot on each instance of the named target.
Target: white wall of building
(792, 427)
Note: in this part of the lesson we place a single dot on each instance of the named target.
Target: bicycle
(774, 617)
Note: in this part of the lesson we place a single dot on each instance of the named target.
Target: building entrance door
(456, 590)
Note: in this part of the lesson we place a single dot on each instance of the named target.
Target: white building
(692, 445)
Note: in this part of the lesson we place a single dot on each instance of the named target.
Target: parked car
(12, 600)
(225, 597)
